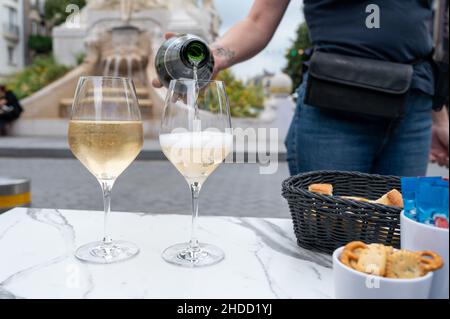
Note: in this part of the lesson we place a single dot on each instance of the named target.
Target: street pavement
(153, 186)
(157, 187)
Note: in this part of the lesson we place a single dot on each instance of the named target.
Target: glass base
(101, 253)
(184, 255)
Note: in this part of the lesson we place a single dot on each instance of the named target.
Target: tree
(296, 55)
(55, 10)
(245, 100)
(34, 77)
(40, 44)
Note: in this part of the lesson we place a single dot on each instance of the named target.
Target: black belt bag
(359, 85)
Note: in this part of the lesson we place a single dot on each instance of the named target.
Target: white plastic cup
(417, 236)
(352, 284)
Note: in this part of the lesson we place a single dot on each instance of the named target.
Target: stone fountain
(116, 38)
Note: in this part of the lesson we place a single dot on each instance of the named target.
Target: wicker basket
(324, 223)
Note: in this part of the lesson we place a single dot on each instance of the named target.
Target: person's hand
(440, 145)
(155, 82)
(3, 101)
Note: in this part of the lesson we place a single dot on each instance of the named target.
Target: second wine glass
(196, 137)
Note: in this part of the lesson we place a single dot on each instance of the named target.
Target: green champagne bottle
(184, 56)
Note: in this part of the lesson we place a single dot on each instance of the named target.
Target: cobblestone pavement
(153, 186)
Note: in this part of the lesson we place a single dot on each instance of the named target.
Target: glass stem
(195, 190)
(106, 189)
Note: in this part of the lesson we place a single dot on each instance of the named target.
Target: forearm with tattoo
(225, 54)
(251, 35)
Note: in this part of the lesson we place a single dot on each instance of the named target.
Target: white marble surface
(262, 258)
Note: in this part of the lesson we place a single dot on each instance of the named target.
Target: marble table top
(262, 258)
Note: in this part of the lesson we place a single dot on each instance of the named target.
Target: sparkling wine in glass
(196, 137)
(105, 135)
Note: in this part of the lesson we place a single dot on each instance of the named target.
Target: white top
(262, 258)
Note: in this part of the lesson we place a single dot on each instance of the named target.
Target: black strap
(422, 60)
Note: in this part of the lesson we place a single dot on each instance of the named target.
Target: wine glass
(196, 137)
(105, 135)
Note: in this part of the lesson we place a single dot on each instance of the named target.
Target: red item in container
(441, 222)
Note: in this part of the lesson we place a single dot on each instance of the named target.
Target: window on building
(41, 6)
(11, 55)
(12, 16)
(10, 24)
(34, 27)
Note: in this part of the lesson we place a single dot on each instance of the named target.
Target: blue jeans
(320, 139)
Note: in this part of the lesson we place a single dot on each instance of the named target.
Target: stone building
(117, 37)
(12, 37)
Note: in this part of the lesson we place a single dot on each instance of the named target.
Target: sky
(272, 57)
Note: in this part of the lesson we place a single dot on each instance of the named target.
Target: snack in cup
(384, 261)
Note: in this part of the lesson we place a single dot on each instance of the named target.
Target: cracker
(430, 260)
(324, 189)
(373, 260)
(404, 264)
(358, 199)
(351, 253)
(393, 198)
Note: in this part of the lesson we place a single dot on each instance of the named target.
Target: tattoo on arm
(224, 52)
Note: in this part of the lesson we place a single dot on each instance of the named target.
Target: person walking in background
(323, 138)
(10, 108)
